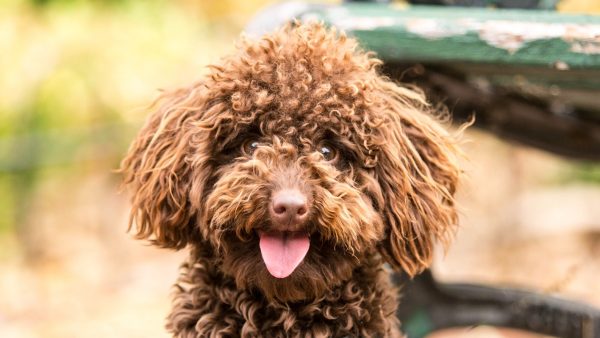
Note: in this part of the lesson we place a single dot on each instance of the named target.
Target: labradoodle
(292, 172)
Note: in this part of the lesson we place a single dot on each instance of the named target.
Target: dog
(293, 171)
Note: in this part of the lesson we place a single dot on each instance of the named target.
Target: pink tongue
(283, 251)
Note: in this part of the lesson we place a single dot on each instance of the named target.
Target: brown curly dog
(292, 172)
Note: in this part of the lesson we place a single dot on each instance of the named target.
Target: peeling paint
(511, 35)
(505, 34)
(561, 65)
(586, 47)
(434, 29)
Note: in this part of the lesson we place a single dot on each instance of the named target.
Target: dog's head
(293, 161)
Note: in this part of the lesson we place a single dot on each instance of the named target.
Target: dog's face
(294, 162)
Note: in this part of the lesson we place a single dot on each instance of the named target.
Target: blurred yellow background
(75, 77)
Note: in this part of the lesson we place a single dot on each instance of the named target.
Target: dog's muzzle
(284, 247)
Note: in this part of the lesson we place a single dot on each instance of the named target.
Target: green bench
(532, 75)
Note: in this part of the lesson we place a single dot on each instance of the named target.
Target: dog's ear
(418, 172)
(157, 169)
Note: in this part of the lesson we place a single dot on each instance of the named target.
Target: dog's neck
(207, 303)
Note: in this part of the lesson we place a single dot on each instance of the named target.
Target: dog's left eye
(327, 152)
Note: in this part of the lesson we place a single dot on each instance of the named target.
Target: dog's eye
(250, 146)
(327, 152)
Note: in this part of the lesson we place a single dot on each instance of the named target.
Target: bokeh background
(75, 78)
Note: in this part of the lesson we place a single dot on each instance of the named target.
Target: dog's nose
(289, 208)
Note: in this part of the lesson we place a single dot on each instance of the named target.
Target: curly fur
(386, 195)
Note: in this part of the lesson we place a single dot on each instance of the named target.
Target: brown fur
(385, 195)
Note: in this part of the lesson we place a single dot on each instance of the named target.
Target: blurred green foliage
(76, 76)
(582, 172)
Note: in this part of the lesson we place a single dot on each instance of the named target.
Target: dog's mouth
(283, 251)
